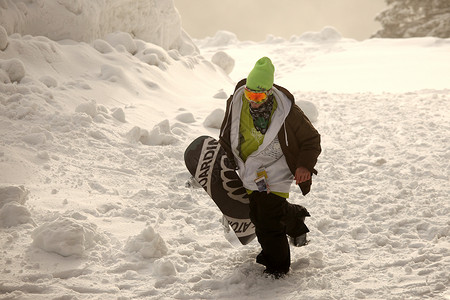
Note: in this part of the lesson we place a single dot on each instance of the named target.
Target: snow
(327, 34)
(66, 237)
(3, 39)
(223, 60)
(13, 70)
(148, 243)
(94, 122)
(156, 21)
(12, 214)
(214, 119)
(13, 194)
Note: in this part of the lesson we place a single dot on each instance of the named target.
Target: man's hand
(302, 174)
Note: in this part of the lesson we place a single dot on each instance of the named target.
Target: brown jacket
(303, 145)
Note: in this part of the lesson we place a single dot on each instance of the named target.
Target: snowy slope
(92, 196)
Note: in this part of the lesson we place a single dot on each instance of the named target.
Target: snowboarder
(271, 143)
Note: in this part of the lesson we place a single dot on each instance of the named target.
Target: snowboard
(208, 163)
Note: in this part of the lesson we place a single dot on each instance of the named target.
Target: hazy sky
(255, 19)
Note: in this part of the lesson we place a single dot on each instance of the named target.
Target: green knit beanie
(261, 77)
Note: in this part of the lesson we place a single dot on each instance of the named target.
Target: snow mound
(89, 111)
(221, 94)
(12, 214)
(135, 134)
(309, 109)
(186, 117)
(148, 243)
(102, 46)
(161, 134)
(118, 114)
(153, 55)
(214, 119)
(123, 39)
(16, 194)
(221, 38)
(114, 74)
(89, 108)
(327, 34)
(3, 38)
(224, 61)
(66, 236)
(271, 39)
(49, 81)
(154, 21)
(165, 267)
(35, 138)
(12, 70)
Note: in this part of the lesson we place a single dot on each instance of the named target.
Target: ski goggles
(256, 97)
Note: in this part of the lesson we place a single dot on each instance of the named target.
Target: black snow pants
(274, 217)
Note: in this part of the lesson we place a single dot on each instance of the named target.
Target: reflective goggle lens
(257, 97)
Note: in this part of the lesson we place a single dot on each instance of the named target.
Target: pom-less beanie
(261, 77)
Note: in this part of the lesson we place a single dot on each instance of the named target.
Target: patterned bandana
(261, 115)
